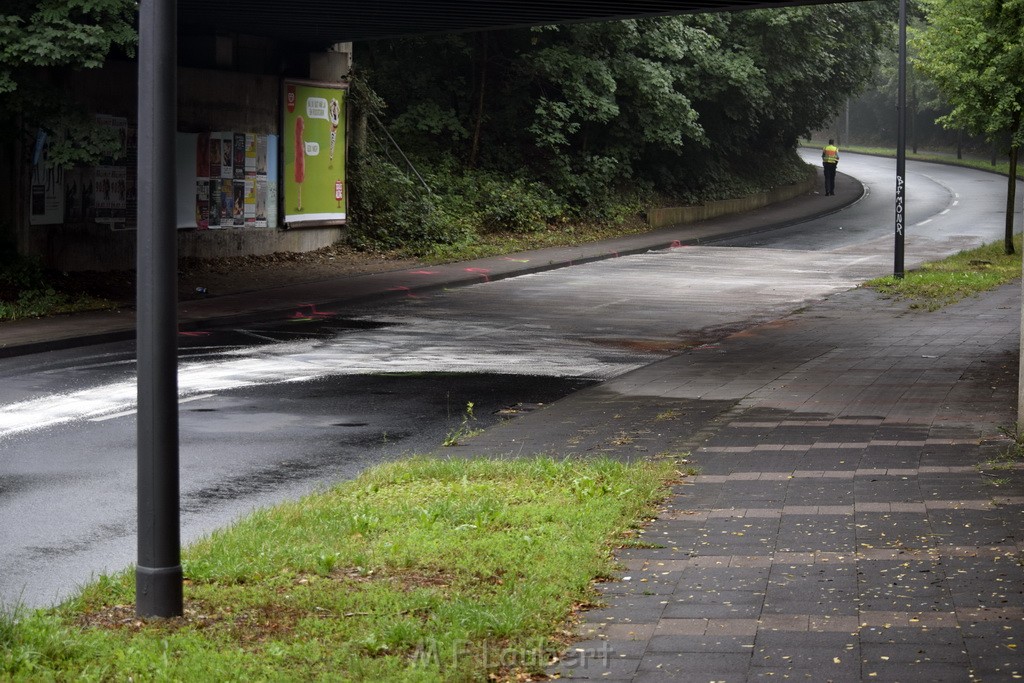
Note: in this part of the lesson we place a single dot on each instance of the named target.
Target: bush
(518, 206)
(391, 211)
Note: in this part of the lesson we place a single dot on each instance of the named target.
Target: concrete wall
(73, 248)
(660, 218)
(208, 100)
(227, 100)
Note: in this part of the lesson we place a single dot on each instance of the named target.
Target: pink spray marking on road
(483, 272)
(311, 314)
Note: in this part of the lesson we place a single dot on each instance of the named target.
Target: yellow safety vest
(830, 155)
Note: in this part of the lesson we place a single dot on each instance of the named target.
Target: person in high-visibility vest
(829, 161)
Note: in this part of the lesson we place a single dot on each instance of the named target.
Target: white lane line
(258, 336)
(927, 220)
(125, 413)
(943, 212)
(417, 345)
(199, 397)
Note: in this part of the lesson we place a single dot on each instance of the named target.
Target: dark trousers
(830, 178)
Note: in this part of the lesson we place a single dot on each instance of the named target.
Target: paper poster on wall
(111, 185)
(261, 201)
(76, 180)
(203, 203)
(110, 194)
(250, 200)
(46, 200)
(272, 181)
(203, 181)
(227, 154)
(250, 153)
(215, 203)
(238, 207)
(215, 155)
(239, 160)
(227, 203)
(314, 153)
(104, 194)
(261, 154)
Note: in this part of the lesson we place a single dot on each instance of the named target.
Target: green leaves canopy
(673, 104)
(47, 33)
(974, 51)
(41, 42)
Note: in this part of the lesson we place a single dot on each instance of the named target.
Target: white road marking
(126, 413)
(263, 337)
(712, 286)
(413, 345)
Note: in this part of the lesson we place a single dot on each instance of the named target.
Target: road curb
(592, 254)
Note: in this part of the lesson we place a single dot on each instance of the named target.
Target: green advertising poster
(313, 137)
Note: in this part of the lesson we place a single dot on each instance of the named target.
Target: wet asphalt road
(275, 410)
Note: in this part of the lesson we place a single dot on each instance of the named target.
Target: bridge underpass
(316, 24)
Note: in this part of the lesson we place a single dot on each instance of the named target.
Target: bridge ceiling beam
(322, 22)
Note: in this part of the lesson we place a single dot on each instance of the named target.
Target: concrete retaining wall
(74, 248)
(208, 100)
(660, 218)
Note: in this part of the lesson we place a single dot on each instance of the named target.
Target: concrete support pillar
(331, 66)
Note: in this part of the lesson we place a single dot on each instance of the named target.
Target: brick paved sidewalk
(839, 529)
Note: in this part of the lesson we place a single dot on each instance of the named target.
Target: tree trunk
(1011, 198)
(1011, 192)
(474, 151)
(913, 118)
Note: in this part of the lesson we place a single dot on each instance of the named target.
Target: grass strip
(940, 283)
(422, 570)
(37, 303)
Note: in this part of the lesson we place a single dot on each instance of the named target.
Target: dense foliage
(586, 118)
(974, 51)
(42, 43)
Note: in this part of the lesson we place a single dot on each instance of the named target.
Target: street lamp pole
(158, 574)
(901, 145)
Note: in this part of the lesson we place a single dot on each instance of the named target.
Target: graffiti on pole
(899, 205)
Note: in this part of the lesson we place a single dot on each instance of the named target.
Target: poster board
(104, 193)
(226, 179)
(314, 144)
(47, 195)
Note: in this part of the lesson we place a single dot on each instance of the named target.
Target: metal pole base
(158, 591)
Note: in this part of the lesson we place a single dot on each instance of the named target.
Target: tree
(974, 51)
(41, 43)
(687, 106)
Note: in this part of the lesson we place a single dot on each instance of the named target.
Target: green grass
(27, 290)
(35, 303)
(424, 570)
(500, 243)
(945, 282)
